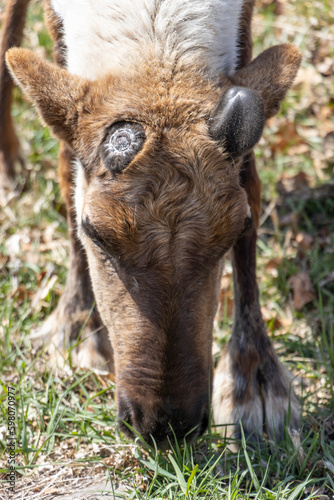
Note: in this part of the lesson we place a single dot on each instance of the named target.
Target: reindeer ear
(55, 92)
(271, 74)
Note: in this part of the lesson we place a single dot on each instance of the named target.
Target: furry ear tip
(16, 51)
(293, 53)
(16, 56)
(11, 55)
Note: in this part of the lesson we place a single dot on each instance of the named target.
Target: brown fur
(162, 227)
(277, 64)
(245, 40)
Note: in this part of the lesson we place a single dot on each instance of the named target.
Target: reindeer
(158, 105)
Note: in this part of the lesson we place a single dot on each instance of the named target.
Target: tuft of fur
(201, 32)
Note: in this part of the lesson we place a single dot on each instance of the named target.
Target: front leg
(251, 386)
(10, 154)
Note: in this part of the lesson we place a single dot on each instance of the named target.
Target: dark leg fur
(251, 384)
(12, 32)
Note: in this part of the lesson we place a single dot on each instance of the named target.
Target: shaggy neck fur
(111, 35)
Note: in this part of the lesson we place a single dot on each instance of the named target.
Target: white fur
(108, 35)
(79, 194)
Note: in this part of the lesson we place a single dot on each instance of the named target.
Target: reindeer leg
(12, 32)
(251, 385)
(76, 321)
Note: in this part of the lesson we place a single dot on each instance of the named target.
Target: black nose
(163, 423)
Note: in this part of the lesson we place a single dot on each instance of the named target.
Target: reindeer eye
(123, 141)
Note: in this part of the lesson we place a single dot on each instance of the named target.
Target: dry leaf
(15, 242)
(226, 281)
(305, 241)
(4, 259)
(303, 291)
(225, 297)
(274, 263)
(299, 149)
(269, 315)
(225, 301)
(290, 219)
(286, 137)
(326, 67)
(287, 184)
(47, 285)
(308, 76)
(20, 292)
(295, 438)
(328, 145)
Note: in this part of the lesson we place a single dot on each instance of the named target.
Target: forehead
(155, 94)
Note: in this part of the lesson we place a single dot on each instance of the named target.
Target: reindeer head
(158, 204)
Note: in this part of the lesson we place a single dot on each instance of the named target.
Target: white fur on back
(105, 35)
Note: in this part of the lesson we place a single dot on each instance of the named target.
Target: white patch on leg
(222, 397)
(108, 35)
(225, 411)
(264, 406)
(281, 410)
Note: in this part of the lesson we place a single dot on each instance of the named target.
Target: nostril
(163, 422)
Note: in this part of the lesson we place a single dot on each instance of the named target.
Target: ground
(67, 439)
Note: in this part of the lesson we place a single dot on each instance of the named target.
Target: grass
(65, 422)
